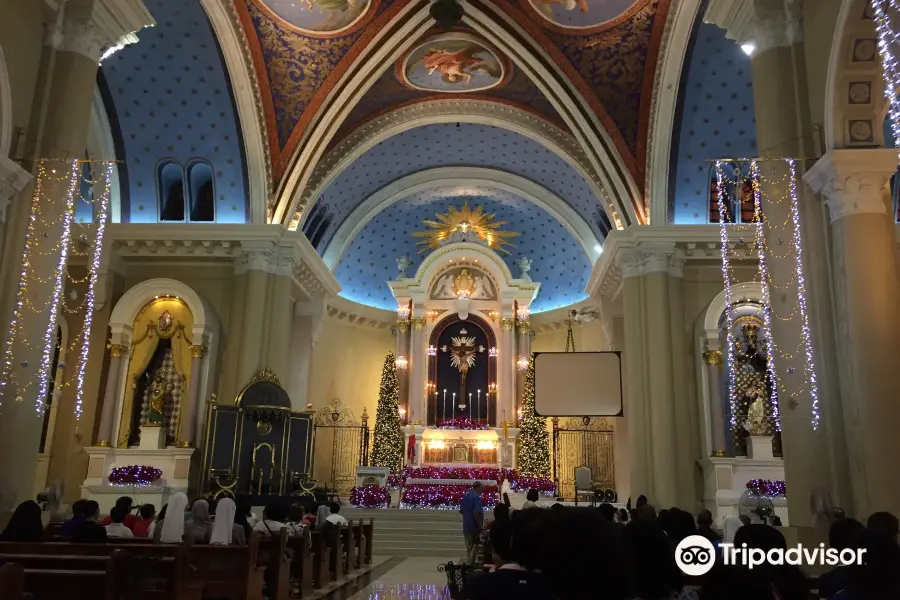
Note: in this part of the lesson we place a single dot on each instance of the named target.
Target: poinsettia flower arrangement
(768, 487)
(139, 475)
(461, 423)
(444, 496)
(370, 496)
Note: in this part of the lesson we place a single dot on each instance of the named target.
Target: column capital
(766, 24)
(98, 29)
(853, 181)
(198, 351)
(117, 350)
(13, 180)
(656, 258)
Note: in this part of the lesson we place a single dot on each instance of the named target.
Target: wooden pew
(320, 552)
(334, 539)
(348, 543)
(301, 573)
(228, 572)
(361, 542)
(273, 557)
(369, 533)
(12, 581)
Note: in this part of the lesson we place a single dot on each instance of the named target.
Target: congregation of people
(568, 553)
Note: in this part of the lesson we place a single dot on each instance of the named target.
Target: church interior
(282, 250)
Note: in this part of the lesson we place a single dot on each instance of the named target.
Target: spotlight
(749, 48)
(447, 13)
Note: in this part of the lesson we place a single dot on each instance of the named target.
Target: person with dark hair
(68, 528)
(731, 582)
(531, 498)
(704, 527)
(622, 516)
(473, 521)
(116, 529)
(152, 527)
(844, 534)
(645, 513)
(25, 524)
(653, 573)
(274, 516)
(519, 574)
(147, 513)
(335, 517)
(787, 580)
(240, 518)
(498, 533)
(125, 503)
(608, 511)
(884, 523)
(878, 578)
(680, 525)
(642, 500)
(90, 531)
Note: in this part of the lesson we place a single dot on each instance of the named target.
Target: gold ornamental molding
(266, 374)
(507, 324)
(198, 351)
(419, 323)
(117, 350)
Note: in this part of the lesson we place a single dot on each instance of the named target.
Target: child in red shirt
(141, 526)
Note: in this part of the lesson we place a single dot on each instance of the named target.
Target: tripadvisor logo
(695, 555)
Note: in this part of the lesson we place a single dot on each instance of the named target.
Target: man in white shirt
(116, 529)
(334, 517)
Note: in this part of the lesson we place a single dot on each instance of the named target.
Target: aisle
(401, 578)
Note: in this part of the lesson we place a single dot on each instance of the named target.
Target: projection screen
(578, 384)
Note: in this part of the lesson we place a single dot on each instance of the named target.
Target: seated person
(273, 520)
(68, 528)
(25, 524)
(141, 527)
(884, 524)
(843, 534)
(309, 519)
(704, 527)
(125, 503)
(335, 518)
(116, 529)
(225, 531)
(295, 519)
(90, 531)
(531, 499)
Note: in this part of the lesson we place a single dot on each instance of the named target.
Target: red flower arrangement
(444, 496)
(541, 484)
(134, 475)
(370, 496)
(767, 487)
(518, 484)
(461, 423)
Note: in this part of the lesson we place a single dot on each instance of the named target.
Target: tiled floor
(403, 579)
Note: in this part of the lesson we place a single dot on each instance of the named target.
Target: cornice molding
(103, 26)
(354, 313)
(853, 181)
(400, 189)
(645, 249)
(767, 24)
(449, 110)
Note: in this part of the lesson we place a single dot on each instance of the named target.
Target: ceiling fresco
(454, 62)
(584, 16)
(321, 18)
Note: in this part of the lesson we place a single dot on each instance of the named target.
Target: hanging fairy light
(729, 308)
(810, 365)
(764, 278)
(59, 281)
(94, 268)
(887, 40)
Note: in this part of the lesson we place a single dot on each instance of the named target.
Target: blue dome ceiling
(559, 262)
(460, 144)
(169, 98)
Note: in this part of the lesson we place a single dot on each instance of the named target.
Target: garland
(134, 475)
(767, 487)
(370, 496)
(461, 423)
(443, 497)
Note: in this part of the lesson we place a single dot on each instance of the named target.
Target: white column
(506, 368)
(418, 371)
(187, 425)
(106, 435)
(712, 360)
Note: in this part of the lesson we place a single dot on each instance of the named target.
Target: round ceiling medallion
(584, 16)
(321, 18)
(453, 62)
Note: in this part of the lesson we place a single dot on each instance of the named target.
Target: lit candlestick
(444, 404)
(479, 406)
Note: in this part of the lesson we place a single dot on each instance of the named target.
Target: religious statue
(756, 415)
(157, 401)
(483, 288)
(524, 264)
(403, 263)
(462, 357)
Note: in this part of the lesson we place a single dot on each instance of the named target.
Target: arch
(6, 115)
(446, 110)
(201, 192)
(170, 191)
(403, 28)
(398, 190)
(740, 292)
(666, 89)
(319, 233)
(854, 86)
(315, 217)
(132, 301)
(101, 146)
(245, 91)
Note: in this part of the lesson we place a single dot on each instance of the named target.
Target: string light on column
(887, 38)
(764, 279)
(729, 308)
(801, 296)
(94, 268)
(59, 281)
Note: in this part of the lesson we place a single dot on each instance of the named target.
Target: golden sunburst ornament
(465, 220)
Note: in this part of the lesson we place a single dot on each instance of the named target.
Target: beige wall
(21, 37)
(346, 364)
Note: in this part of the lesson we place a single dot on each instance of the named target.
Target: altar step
(415, 532)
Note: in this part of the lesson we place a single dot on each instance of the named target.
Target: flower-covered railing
(444, 496)
(134, 475)
(517, 483)
(461, 423)
(370, 496)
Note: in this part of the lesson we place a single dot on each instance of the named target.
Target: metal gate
(348, 447)
(583, 441)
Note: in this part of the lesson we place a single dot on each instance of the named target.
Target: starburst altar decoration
(462, 353)
(466, 220)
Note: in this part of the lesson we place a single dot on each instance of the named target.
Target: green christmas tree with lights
(533, 442)
(387, 448)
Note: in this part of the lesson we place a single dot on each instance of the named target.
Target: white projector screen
(578, 384)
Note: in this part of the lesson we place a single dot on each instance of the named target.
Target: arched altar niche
(481, 377)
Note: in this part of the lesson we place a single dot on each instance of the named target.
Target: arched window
(319, 233)
(202, 193)
(603, 223)
(171, 192)
(84, 202)
(312, 223)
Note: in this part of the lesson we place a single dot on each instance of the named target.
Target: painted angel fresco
(457, 66)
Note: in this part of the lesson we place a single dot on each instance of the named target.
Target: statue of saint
(157, 401)
(756, 414)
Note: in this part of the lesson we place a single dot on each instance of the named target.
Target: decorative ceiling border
(449, 110)
(491, 178)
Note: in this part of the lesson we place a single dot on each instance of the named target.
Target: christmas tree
(533, 442)
(387, 449)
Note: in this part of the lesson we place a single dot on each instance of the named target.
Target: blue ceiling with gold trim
(559, 262)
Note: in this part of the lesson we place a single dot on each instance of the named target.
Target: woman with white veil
(730, 528)
(171, 529)
(224, 531)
